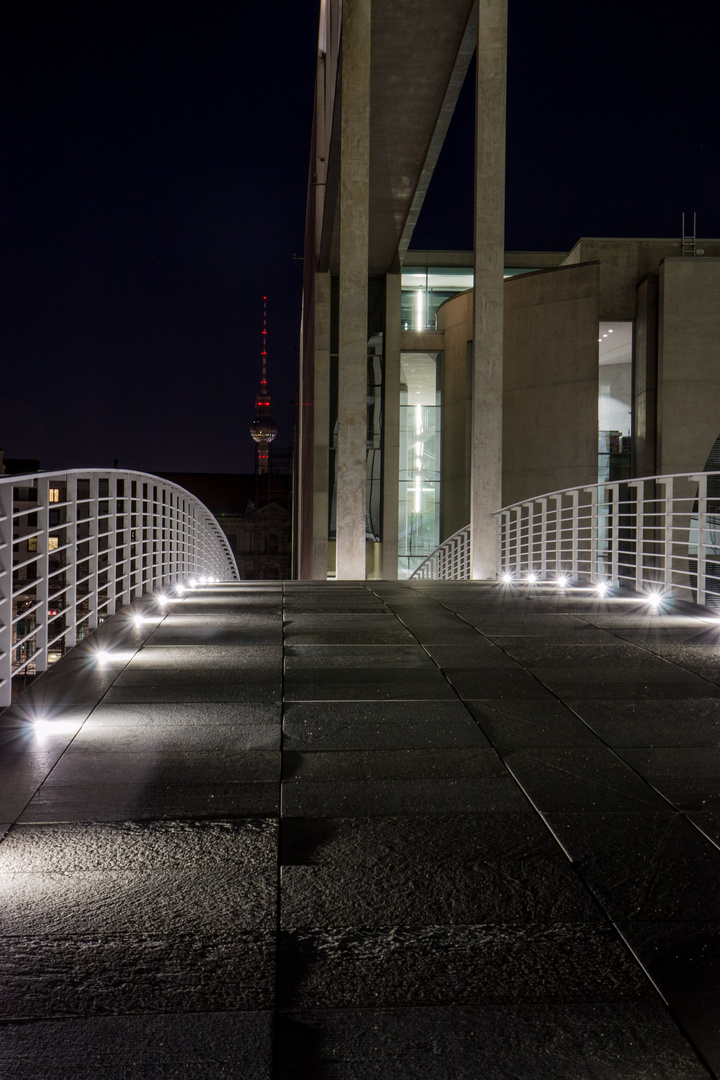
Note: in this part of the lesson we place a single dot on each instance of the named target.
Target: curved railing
(76, 546)
(656, 534)
(449, 561)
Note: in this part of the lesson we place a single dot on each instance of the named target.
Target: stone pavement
(353, 831)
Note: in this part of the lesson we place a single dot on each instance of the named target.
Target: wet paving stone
(372, 798)
(429, 871)
(546, 1042)
(685, 722)
(368, 725)
(144, 973)
(684, 961)
(181, 1046)
(391, 764)
(582, 779)
(457, 965)
(512, 725)
(360, 830)
(123, 802)
(668, 857)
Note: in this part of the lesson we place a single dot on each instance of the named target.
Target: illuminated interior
(419, 480)
(614, 400)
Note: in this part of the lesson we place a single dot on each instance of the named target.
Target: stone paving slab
(583, 1042)
(355, 830)
(160, 1046)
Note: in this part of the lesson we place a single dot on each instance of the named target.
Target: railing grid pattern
(77, 546)
(451, 560)
(657, 534)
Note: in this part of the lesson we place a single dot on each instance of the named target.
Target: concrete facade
(550, 398)
(688, 373)
(489, 248)
(551, 375)
(353, 273)
(525, 409)
(388, 77)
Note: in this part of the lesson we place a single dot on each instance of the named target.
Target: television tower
(263, 429)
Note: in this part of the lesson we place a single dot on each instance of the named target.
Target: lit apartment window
(54, 495)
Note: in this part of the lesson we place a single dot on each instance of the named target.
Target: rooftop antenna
(689, 241)
(263, 429)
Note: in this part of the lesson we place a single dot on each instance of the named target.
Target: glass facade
(424, 289)
(419, 479)
(614, 400)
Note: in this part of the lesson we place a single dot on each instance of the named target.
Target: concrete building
(611, 369)
(437, 387)
(388, 78)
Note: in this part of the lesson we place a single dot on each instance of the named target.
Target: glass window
(614, 400)
(54, 495)
(419, 479)
(425, 289)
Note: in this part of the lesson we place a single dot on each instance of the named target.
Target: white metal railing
(657, 534)
(450, 561)
(78, 545)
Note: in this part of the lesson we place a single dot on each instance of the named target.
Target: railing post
(543, 503)
(6, 592)
(42, 567)
(71, 597)
(94, 527)
(668, 529)
(557, 545)
(502, 519)
(639, 488)
(575, 533)
(614, 537)
(593, 491)
(701, 537)
(111, 550)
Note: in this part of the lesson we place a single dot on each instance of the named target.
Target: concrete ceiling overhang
(420, 54)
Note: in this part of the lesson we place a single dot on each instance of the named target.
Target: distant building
(17, 466)
(254, 512)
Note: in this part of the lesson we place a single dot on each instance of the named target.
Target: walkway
(360, 831)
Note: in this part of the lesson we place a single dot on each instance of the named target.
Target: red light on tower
(263, 429)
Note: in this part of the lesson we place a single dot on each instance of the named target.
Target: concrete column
(321, 427)
(391, 427)
(645, 378)
(487, 360)
(352, 336)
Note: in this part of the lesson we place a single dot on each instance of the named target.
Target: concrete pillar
(645, 378)
(391, 427)
(352, 336)
(321, 427)
(487, 360)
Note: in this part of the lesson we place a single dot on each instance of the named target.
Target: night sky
(153, 166)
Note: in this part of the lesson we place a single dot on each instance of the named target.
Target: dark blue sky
(153, 178)
(613, 127)
(153, 165)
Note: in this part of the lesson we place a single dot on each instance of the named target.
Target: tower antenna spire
(263, 381)
(263, 429)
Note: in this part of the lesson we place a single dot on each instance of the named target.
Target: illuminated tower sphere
(263, 429)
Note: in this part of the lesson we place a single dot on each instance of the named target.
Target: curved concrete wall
(550, 390)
